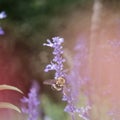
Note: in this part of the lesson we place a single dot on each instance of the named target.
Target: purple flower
(76, 80)
(1, 31)
(57, 62)
(32, 108)
(3, 15)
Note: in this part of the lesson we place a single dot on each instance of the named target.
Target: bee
(57, 84)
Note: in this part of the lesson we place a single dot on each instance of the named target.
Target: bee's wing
(49, 82)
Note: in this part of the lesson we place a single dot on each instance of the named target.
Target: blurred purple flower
(82, 112)
(114, 114)
(3, 15)
(76, 81)
(1, 31)
(57, 62)
(32, 108)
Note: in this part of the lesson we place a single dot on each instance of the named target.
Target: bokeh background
(23, 57)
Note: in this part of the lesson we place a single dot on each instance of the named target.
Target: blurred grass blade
(9, 106)
(9, 87)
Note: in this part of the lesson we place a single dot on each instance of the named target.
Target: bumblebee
(56, 84)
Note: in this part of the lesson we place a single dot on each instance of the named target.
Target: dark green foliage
(32, 21)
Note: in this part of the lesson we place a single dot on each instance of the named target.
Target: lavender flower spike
(32, 103)
(57, 62)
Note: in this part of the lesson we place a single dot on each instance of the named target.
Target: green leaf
(9, 87)
(9, 106)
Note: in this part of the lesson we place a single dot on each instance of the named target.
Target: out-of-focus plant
(9, 87)
(4, 86)
(2, 16)
(33, 19)
(73, 81)
(31, 104)
(6, 104)
(56, 113)
(76, 82)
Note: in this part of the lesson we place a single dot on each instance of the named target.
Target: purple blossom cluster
(57, 62)
(81, 111)
(31, 104)
(1, 31)
(74, 80)
(2, 16)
